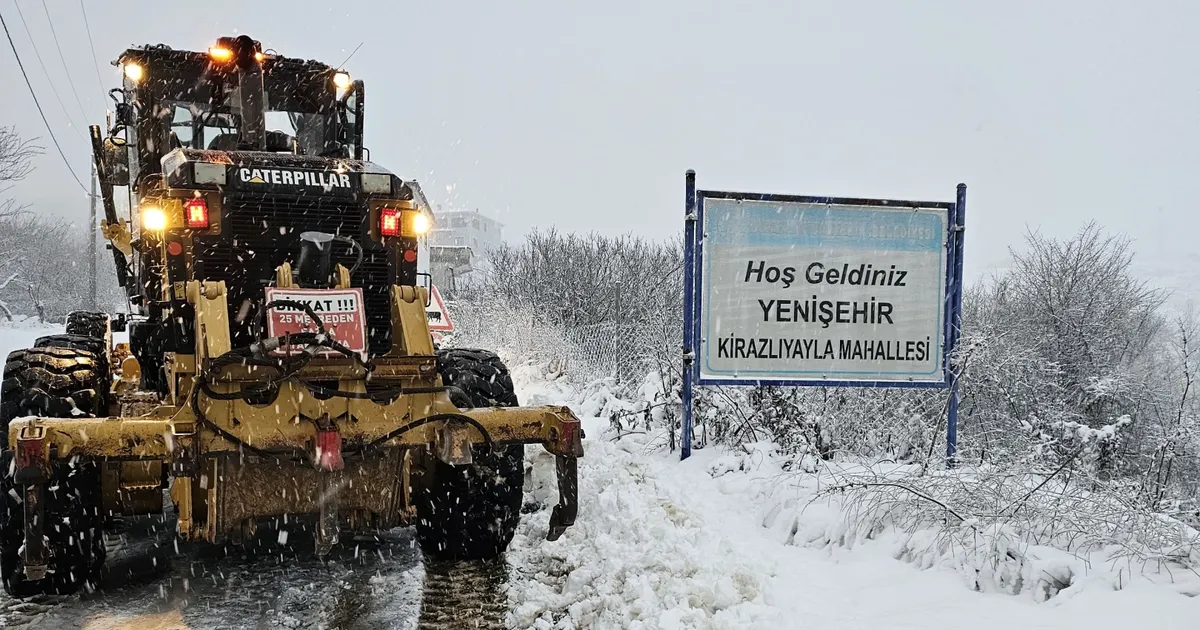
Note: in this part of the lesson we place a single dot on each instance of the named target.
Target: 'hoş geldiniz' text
(864, 275)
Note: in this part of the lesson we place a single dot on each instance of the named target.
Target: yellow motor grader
(279, 370)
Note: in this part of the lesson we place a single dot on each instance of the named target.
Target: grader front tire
(50, 381)
(72, 527)
(471, 512)
(56, 381)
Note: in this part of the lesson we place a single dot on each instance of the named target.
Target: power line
(39, 105)
(37, 54)
(63, 59)
(343, 64)
(92, 46)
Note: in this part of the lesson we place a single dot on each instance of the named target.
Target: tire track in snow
(367, 585)
(462, 595)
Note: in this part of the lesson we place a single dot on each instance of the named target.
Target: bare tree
(16, 163)
(1167, 442)
(41, 259)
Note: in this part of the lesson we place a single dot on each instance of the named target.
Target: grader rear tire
(78, 342)
(471, 512)
(98, 346)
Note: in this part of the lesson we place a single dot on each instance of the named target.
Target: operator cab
(236, 97)
(231, 155)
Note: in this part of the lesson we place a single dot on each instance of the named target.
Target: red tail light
(389, 222)
(195, 212)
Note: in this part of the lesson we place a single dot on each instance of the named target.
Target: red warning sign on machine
(340, 310)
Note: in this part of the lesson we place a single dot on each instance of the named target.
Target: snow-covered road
(658, 544)
(368, 584)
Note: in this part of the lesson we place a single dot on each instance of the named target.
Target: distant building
(459, 244)
(466, 228)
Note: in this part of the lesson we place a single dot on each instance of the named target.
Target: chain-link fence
(623, 353)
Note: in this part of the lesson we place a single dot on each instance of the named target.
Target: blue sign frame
(692, 299)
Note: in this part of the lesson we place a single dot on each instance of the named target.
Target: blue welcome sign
(790, 290)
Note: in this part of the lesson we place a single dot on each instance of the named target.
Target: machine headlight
(421, 223)
(377, 183)
(154, 219)
(134, 71)
(341, 80)
(220, 53)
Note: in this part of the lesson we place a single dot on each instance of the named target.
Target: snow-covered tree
(43, 261)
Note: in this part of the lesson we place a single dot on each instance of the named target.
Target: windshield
(196, 109)
(196, 126)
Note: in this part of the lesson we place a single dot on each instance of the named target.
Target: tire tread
(471, 512)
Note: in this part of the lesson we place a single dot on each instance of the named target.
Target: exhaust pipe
(314, 265)
(252, 94)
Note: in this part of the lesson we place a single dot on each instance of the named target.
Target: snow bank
(641, 554)
(739, 539)
(641, 557)
(21, 333)
(1036, 551)
(913, 518)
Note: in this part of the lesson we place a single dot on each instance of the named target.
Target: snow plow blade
(264, 474)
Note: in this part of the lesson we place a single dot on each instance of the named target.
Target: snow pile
(639, 556)
(746, 539)
(993, 530)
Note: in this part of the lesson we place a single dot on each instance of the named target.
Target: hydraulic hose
(487, 438)
(255, 356)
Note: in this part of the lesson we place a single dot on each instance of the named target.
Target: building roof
(472, 213)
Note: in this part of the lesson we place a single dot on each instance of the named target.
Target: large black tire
(51, 382)
(57, 381)
(72, 529)
(95, 345)
(471, 512)
(88, 324)
(479, 374)
(98, 346)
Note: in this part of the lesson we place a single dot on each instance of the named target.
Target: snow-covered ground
(706, 544)
(21, 333)
(723, 540)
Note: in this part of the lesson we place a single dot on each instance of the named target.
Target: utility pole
(91, 248)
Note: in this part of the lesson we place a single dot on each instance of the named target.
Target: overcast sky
(585, 116)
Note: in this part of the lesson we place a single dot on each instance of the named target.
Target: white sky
(585, 116)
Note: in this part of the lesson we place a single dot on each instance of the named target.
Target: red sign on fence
(436, 312)
(340, 310)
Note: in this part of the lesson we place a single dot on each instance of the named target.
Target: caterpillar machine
(279, 370)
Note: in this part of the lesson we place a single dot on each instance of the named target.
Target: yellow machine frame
(236, 463)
